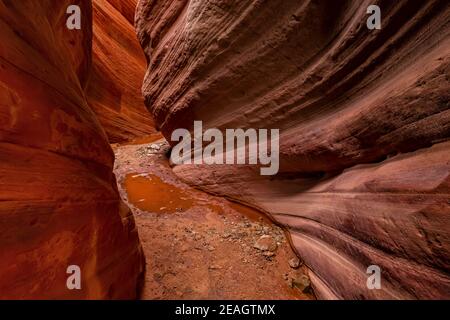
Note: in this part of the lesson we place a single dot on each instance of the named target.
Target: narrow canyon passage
(362, 157)
(198, 246)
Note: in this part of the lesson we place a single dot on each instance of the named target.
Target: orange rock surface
(59, 204)
(114, 91)
(363, 117)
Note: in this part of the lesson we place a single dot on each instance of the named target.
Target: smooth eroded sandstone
(59, 203)
(363, 116)
(114, 91)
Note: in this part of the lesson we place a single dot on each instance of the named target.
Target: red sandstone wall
(364, 119)
(59, 203)
(114, 91)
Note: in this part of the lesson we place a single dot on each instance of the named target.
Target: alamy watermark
(73, 22)
(74, 280)
(374, 20)
(374, 278)
(236, 146)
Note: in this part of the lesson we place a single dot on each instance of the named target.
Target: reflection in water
(149, 193)
(250, 213)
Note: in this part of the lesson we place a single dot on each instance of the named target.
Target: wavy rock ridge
(364, 126)
(59, 203)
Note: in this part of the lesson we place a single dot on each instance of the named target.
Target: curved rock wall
(114, 91)
(364, 123)
(59, 203)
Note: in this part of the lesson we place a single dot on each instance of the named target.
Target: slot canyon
(86, 123)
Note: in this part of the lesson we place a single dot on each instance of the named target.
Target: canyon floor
(198, 246)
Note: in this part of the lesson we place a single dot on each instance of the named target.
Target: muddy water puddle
(148, 192)
(250, 213)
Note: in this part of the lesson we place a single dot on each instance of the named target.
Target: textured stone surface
(59, 203)
(363, 115)
(114, 91)
(126, 7)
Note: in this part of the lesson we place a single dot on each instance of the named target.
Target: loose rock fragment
(294, 263)
(302, 282)
(265, 243)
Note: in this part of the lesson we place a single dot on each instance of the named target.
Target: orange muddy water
(149, 193)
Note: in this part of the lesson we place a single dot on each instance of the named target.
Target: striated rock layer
(59, 203)
(364, 123)
(118, 68)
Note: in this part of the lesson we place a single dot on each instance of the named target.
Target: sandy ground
(199, 246)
